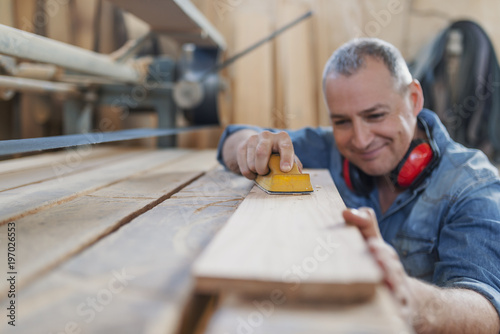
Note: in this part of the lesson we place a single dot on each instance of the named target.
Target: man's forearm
(230, 148)
(456, 311)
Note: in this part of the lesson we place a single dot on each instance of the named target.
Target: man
(437, 238)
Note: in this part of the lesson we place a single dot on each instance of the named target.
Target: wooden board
(179, 19)
(277, 315)
(59, 26)
(16, 174)
(298, 244)
(253, 83)
(295, 67)
(19, 202)
(153, 254)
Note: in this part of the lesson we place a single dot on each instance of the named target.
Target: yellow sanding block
(277, 182)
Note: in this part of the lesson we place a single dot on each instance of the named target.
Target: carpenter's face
(373, 121)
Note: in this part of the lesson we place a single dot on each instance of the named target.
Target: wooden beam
(298, 245)
(278, 315)
(84, 16)
(253, 84)
(60, 24)
(179, 19)
(295, 67)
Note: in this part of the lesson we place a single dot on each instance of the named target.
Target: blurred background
(277, 85)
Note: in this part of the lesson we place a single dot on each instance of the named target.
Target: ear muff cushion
(346, 174)
(415, 163)
(356, 180)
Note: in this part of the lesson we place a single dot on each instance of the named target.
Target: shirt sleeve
(468, 247)
(313, 146)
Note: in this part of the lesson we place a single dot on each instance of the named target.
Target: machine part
(277, 182)
(15, 146)
(197, 98)
(188, 94)
(7, 94)
(25, 45)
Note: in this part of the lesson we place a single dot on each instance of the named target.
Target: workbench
(103, 239)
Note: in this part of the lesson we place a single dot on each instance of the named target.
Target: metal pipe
(38, 86)
(25, 45)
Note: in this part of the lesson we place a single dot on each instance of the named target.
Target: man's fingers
(365, 220)
(298, 163)
(250, 155)
(263, 151)
(394, 274)
(284, 146)
(254, 153)
(241, 157)
(387, 260)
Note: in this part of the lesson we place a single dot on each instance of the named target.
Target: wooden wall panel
(280, 83)
(84, 15)
(410, 25)
(253, 74)
(335, 22)
(59, 27)
(6, 12)
(295, 65)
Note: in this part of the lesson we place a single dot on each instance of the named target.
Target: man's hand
(395, 277)
(428, 308)
(248, 152)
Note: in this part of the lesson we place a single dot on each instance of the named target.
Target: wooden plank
(334, 23)
(153, 254)
(178, 18)
(7, 13)
(84, 16)
(296, 67)
(53, 235)
(70, 162)
(277, 315)
(387, 20)
(59, 24)
(70, 157)
(299, 244)
(19, 202)
(253, 83)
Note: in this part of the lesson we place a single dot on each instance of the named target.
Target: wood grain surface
(298, 244)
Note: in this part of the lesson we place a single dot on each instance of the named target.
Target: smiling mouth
(371, 154)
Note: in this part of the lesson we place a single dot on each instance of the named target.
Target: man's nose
(362, 135)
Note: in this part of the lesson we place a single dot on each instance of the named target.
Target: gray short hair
(350, 57)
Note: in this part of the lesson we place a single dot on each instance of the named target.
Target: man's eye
(340, 122)
(375, 117)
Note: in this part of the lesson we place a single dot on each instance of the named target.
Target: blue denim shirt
(447, 230)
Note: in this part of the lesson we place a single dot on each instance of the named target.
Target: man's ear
(416, 96)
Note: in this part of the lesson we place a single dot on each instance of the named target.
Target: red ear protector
(416, 165)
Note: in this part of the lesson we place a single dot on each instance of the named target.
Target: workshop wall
(280, 84)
